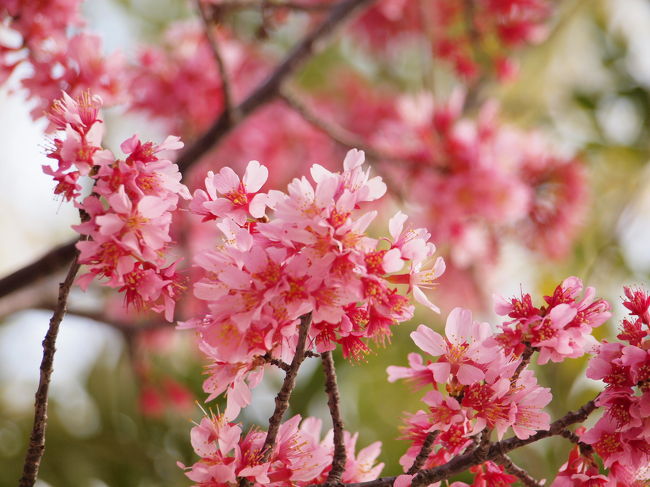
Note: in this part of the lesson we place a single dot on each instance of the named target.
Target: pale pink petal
(396, 224)
(255, 176)
(226, 181)
(459, 325)
(152, 207)
(468, 374)
(422, 298)
(354, 158)
(440, 370)
(429, 341)
(109, 224)
(257, 206)
(392, 261)
(130, 144)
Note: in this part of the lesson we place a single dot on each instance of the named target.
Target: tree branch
(225, 5)
(311, 44)
(333, 402)
(461, 463)
(282, 399)
(335, 132)
(36, 446)
(518, 472)
(425, 451)
(226, 86)
(265, 92)
(525, 360)
(53, 261)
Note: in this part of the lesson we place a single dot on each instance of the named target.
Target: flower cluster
(127, 216)
(178, 82)
(463, 32)
(620, 437)
(561, 329)
(480, 179)
(298, 457)
(58, 61)
(485, 388)
(313, 257)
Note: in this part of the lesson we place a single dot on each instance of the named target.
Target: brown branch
(282, 399)
(475, 457)
(310, 45)
(333, 402)
(335, 132)
(585, 448)
(225, 5)
(53, 261)
(36, 446)
(518, 472)
(265, 92)
(425, 451)
(461, 463)
(525, 360)
(274, 361)
(226, 86)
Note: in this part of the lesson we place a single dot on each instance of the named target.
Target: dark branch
(282, 399)
(475, 457)
(226, 5)
(36, 446)
(55, 260)
(518, 472)
(525, 360)
(333, 402)
(573, 438)
(425, 451)
(274, 361)
(335, 132)
(311, 44)
(226, 86)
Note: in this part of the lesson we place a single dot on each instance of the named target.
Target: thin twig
(282, 399)
(335, 132)
(274, 361)
(53, 261)
(334, 402)
(311, 44)
(518, 472)
(425, 451)
(36, 446)
(345, 138)
(462, 462)
(573, 438)
(224, 5)
(226, 85)
(525, 360)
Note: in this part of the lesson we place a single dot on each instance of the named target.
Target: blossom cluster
(476, 387)
(312, 257)
(58, 60)
(464, 34)
(620, 437)
(298, 457)
(478, 179)
(559, 330)
(127, 217)
(178, 82)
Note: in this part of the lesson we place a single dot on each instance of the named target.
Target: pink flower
(240, 198)
(462, 352)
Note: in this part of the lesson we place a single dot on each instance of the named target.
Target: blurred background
(125, 388)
